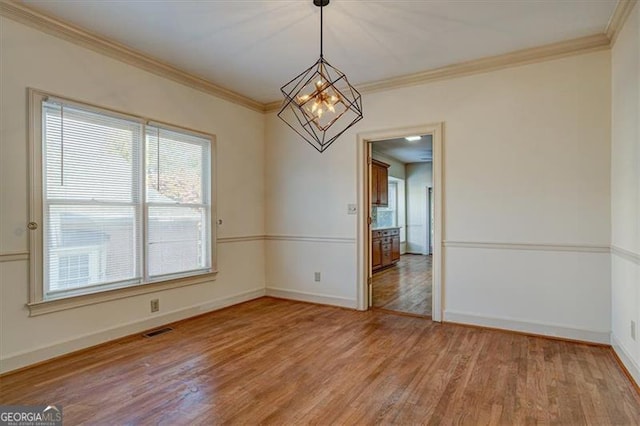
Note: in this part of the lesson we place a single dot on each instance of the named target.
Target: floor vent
(153, 333)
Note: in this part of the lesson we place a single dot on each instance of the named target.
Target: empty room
(320, 212)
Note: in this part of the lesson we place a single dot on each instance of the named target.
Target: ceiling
(400, 149)
(253, 47)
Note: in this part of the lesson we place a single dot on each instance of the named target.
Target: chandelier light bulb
(319, 103)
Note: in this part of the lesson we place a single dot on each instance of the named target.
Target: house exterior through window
(123, 201)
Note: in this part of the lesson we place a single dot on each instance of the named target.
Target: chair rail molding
(14, 256)
(311, 239)
(240, 239)
(580, 248)
(625, 254)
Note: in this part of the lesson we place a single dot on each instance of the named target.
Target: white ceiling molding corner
(618, 18)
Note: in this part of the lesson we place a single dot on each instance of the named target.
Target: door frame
(436, 130)
(427, 220)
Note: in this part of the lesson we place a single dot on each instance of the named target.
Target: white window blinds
(178, 204)
(124, 203)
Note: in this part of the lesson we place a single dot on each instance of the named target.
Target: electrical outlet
(352, 209)
(155, 305)
(633, 330)
(316, 277)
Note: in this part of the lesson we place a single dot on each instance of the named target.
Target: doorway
(429, 221)
(415, 263)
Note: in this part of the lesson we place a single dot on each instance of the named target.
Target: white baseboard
(551, 330)
(24, 359)
(626, 358)
(303, 296)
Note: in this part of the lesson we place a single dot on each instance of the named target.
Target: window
(73, 270)
(122, 202)
(387, 217)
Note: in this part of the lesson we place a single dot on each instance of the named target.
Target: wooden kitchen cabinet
(385, 247)
(376, 253)
(395, 248)
(379, 183)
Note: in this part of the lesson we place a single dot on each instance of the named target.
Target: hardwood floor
(405, 287)
(273, 361)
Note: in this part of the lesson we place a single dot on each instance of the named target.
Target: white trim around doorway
(436, 130)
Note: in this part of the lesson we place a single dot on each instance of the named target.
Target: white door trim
(363, 250)
(427, 222)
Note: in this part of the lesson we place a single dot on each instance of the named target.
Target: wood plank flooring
(272, 361)
(405, 287)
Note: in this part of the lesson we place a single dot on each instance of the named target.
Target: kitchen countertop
(385, 228)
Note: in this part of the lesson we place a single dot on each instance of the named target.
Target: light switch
(352, 209)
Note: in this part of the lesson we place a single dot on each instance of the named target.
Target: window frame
(37, 303)
(394, 184)
(147, 205)
(394, 210)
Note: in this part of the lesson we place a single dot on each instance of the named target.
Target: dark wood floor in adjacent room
(272, 361)
(406, 286)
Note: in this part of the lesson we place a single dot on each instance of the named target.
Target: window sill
(56, 305)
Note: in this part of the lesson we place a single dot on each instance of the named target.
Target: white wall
(30, 58)
(419, 177)
(526, 164)
(547, 274)
(625, 192)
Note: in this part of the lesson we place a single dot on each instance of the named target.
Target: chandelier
(319, 103)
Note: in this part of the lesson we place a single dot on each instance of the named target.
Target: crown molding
(272, 106)
(80, 36)
(618, 18)
(492, 63)
(519, 57)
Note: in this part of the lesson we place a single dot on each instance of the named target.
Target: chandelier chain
(321, 47)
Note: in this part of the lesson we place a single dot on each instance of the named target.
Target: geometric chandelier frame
(319, 103)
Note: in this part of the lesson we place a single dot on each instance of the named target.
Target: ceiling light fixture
(319, 103)
(413, 138)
